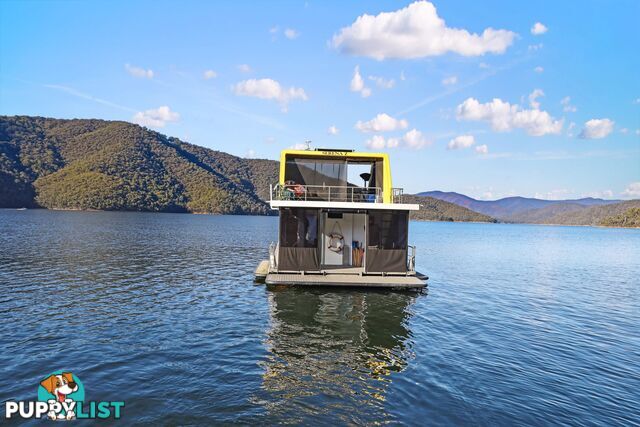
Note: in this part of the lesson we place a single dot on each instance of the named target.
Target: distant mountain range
(507, 207)
(586, 211)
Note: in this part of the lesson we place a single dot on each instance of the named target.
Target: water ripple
(521, 324)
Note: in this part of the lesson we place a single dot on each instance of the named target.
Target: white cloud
(251, 154)
(274, 30)
(414, 139)
(482, 149)
(244, 68)
(533, 98)
(376, 142)
(450, 80)
(504, 117)
(570, 129)
(382, 123)
(416, 31)
(156, 118)
(357, 83)
(484, 65)
(624, 131)
(534, 47)
(402, 77)
(270, 140)
(383, 83)
(632, 190)
(596, 129)
(538, 29)
(460, 142)
(269, 89)
(138, 71)
(291, 34)
(333, 130)
(539, 69)
(566, 105)
(210, 74)
(636, 101)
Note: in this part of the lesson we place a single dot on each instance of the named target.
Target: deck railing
(273, 256)
(331, 193)
(411, 259)
(397, 195)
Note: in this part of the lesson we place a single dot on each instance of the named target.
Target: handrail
(331, 193)
(397, 195)
(411, 259)
(273, 259)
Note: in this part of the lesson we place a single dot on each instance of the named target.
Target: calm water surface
(520, 325)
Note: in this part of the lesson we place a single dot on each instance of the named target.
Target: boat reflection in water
(333, 354)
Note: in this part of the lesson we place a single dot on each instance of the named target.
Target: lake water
(520, 324)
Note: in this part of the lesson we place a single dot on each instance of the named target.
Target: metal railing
(273, 257)
(332, 193)
(397, 195)
(411, 259)
(327, 193)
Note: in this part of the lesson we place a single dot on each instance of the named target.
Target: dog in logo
(60, 386)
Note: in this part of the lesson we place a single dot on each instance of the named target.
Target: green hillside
(594, 215)
(110, 165)
(629, 218)
(438, 210)
(542, 215)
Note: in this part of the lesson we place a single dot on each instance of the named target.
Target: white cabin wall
(330, 257)
(352, 227)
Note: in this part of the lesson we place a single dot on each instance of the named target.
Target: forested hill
(111, 165)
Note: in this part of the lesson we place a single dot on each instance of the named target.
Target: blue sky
(466, 96)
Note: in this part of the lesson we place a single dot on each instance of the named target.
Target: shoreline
(267, 215)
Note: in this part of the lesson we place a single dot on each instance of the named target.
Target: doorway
(343, 252)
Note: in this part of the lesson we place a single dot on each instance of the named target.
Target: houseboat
(342, 223)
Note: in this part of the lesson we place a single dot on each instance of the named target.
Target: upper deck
(328, 178)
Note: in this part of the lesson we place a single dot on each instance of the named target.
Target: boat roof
(331, 153)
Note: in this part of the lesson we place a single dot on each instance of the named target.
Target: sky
(490, 99)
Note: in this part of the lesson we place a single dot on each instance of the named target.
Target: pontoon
(341, 223)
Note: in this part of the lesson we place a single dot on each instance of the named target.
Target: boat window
(299, 228)
(334, 172)
(388, 229)
(316, 172)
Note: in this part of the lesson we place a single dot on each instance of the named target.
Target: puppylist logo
(61, 397)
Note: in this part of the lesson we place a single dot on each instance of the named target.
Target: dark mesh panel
(387, 241)
(298, 249)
